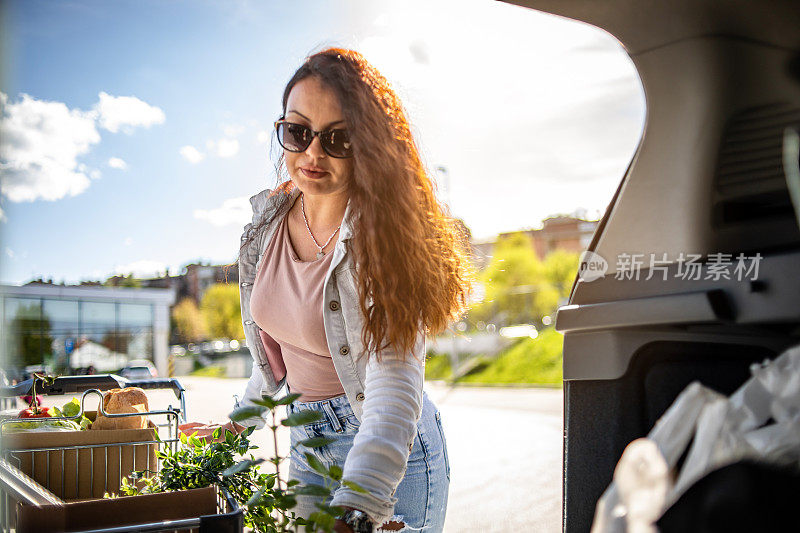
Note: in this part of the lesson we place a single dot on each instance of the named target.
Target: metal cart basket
(89, 470)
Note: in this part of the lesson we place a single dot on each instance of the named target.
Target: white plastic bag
(760, 421)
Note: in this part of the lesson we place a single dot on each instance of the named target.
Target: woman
(343, 270)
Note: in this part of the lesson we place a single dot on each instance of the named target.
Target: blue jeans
(421, 494)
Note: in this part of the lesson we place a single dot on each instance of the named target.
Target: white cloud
(126, 112)
(192, 154)
(232, 130)
(263, 136)
(39, 149)
(3, 217)
(223, 147)
(141, 269)
(232, 211)
(10, 252)
(227, 147)
(128, 241)
(116, 162)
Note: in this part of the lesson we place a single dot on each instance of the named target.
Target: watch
(358, 520)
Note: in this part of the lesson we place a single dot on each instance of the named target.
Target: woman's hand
(341, 527)
(205, 430)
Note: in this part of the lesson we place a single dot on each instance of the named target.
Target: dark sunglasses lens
(294, 137)
(337, 143)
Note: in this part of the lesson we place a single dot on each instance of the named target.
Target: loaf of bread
(128, 400)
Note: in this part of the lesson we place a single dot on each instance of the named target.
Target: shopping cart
(85, 471)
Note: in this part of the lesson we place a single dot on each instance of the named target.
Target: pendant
(320, 254)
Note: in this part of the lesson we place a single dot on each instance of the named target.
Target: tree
(221, 311)
(189, 321)
(29, 335)
(560, 269)
(519, 287)
(123, 281)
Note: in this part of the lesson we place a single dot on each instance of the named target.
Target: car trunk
(722, 83)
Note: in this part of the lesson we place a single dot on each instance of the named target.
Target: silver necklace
(320, 254)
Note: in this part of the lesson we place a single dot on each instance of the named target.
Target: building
(557, 233)
(199, 277)
(562, 233)
(69, 329)
(194, 281)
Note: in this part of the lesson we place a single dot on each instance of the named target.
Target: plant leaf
(316, 442)
(313, 490)
(332, 510)
(354, 486)
(241, 466)
(243, 413)
(336, 472)
(255, 498)
(289, 398)
(302, 418)
(323, 520)
(269, 403)
(316, 464)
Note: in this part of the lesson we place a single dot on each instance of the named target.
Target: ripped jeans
(422, 493)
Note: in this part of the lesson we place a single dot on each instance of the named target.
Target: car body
(138, 369)
(722, 85)
(177, 350)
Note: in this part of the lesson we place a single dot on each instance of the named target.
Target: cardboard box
(82, 464)
(116, 512)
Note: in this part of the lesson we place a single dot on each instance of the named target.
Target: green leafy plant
(72, 409)
(228, 463)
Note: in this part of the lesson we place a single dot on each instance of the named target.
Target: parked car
(706, 190)
(177, 350)
(139, 369)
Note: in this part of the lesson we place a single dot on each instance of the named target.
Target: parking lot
(504, 446)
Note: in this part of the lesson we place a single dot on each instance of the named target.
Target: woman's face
(314, 172)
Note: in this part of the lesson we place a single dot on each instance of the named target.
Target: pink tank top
(287, 304)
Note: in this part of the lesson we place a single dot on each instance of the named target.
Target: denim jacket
(386, 397)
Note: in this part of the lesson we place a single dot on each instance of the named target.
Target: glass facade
(73, 336)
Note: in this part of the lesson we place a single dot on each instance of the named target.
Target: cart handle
(72, 384)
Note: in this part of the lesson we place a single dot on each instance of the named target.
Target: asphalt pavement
(504, 446)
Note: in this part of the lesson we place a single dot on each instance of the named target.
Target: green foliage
(210, 371)
(560, 269)
(226, 463)
(73, 409)
(197, 463)
(529, 360)
(519, 287)
(30, 342)
(221, 311)
(189, 322)
(123, 281)
(438, 367)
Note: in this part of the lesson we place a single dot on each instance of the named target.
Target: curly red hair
(412, 270)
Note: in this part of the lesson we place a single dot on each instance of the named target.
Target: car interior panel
(709, 177)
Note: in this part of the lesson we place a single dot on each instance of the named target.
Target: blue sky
(147, 124)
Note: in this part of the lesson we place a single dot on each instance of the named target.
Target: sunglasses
(297, 138)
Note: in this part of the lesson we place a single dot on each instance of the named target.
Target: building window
(63, 318)
(135, 330)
